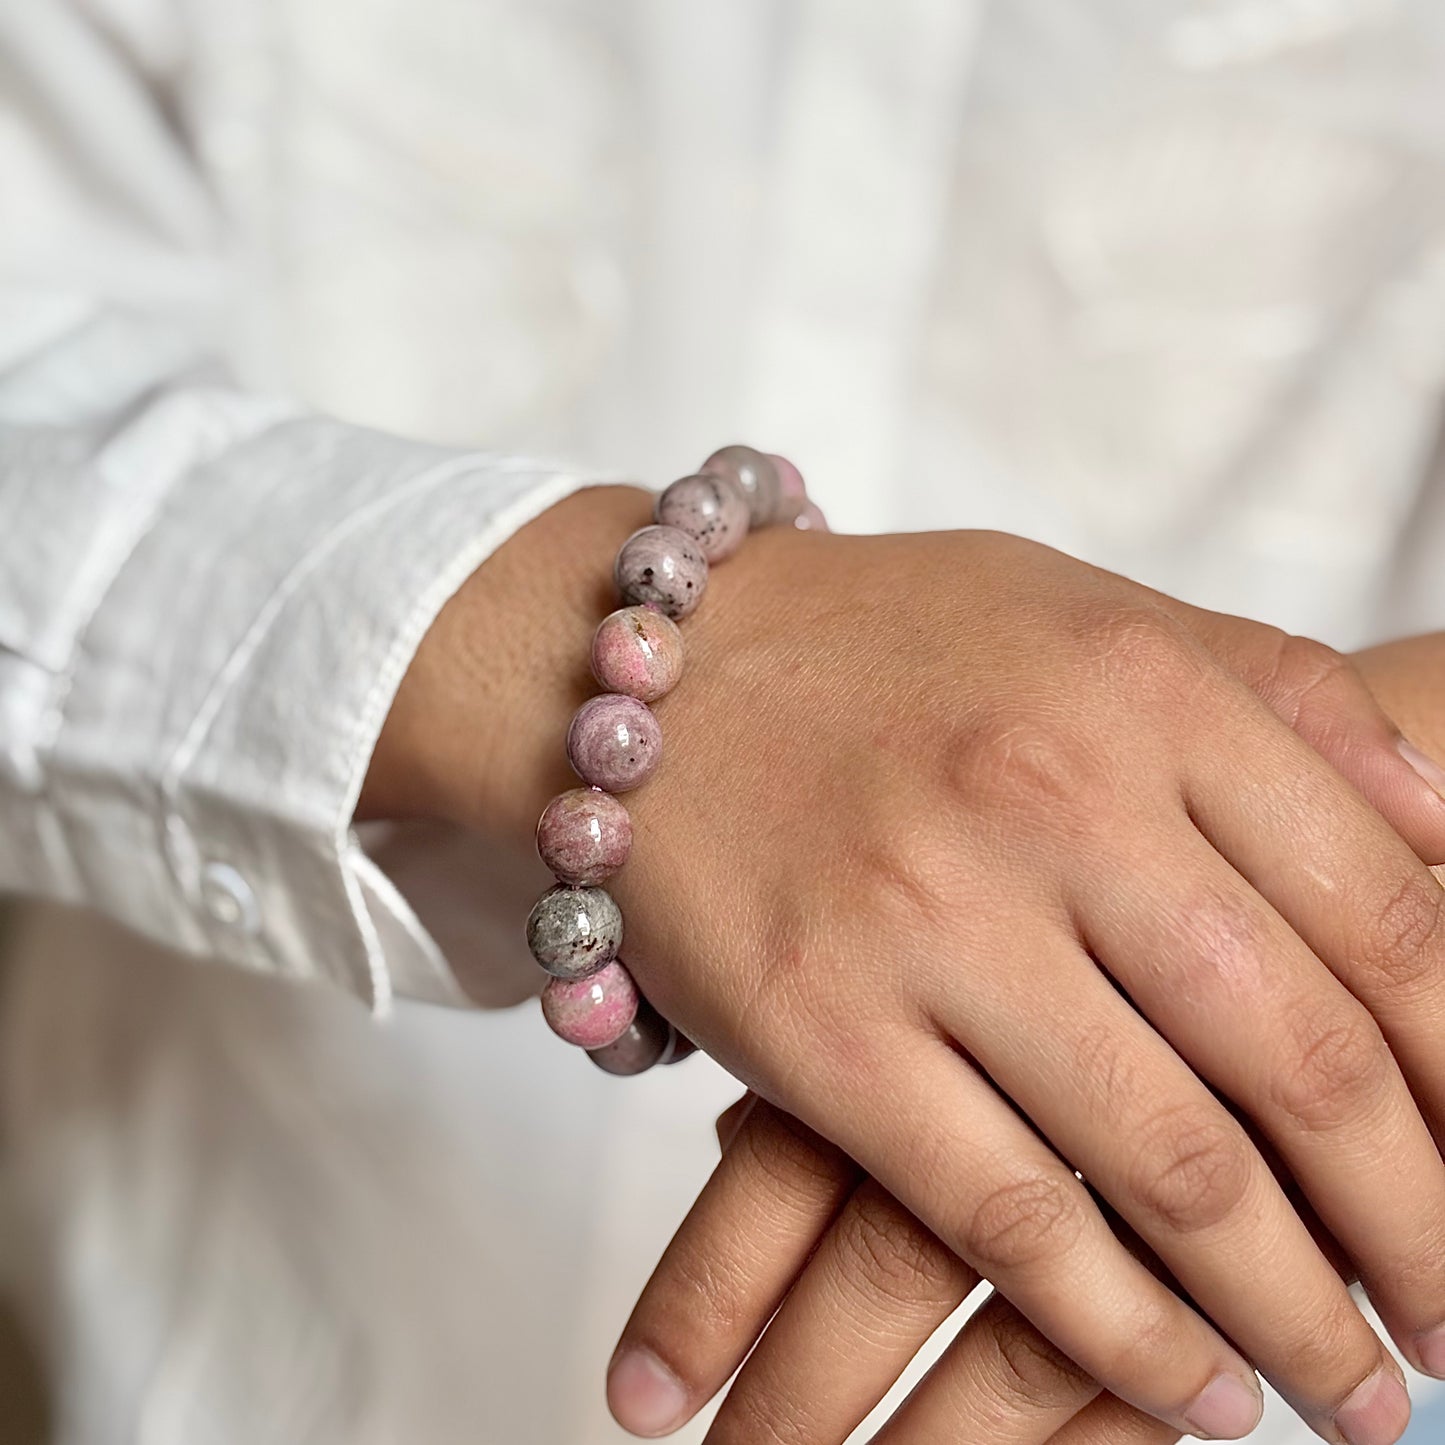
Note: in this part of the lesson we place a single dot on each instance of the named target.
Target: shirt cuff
(225, 700)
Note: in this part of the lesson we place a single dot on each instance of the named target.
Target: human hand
(1015, 762)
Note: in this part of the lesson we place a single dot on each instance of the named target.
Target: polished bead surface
(614, 742)
(637, 651)
(679, 1047)
(756, 477)
(642, 1044)
(591, 1012)
(791, 488)
(662, 566)
(712, 511)
(573, 932)
(584, 836)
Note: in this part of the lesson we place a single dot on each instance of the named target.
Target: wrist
(472, 736)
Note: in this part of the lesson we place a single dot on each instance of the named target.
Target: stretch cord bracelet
(615, 744)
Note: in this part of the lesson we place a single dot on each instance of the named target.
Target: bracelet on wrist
(614, 744)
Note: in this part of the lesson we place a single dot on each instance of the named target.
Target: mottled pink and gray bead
(614, 742)
(637, 651)
(756, 477)
(662, 566)
(573, 932)
(591, 1012)
(584, 836)
(791, 488)
(712, 511)
(642, 1044)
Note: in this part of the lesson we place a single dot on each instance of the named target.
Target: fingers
(956, 1155)
(1153, 1141)
(877, 1288)
(1375, 916)
(1322, 695)
(999, 1381)
(1111, 1422)
(730, 1264)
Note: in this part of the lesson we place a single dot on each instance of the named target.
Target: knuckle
(1024, 1222)
(886, 1252)
(1304, 674)
(1339, 1068)
(1141, 651)
(1192, 1169)
(1106, 1068)
(1404, 946)
(1035, 1372)
(1027, 759)
(1147, 1348)
(1227, 934)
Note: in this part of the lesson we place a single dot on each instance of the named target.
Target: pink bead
(637, 651)
(584, 836)
(710, 509)
(591, 1012)
(614, 742)
(794, 491)
(754, 475)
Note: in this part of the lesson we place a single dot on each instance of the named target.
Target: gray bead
(662, 566)
(645, 1043)
(756, 478)
(573, 932)
(712, 511)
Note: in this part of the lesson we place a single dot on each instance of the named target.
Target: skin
(985, 766)
(823, 1267)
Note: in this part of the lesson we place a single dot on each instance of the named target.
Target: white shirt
(1160, 284)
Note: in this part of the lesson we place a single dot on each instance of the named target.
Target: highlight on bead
(584, 835)
(614, 744)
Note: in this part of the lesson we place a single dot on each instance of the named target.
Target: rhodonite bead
(591, 1012)
(756, 477)
(584, 836)
(642, 1044)
(712, 511)
(614, 742)
(662, 566)
(573, 932)
(637, 651)
(791, 488)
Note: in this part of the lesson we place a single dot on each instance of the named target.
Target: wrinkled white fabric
(1160, 283)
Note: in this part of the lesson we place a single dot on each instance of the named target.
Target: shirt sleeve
(208, 598)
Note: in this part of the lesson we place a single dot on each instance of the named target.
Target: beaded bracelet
(615, 744)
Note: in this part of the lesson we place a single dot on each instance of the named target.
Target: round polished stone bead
(662, 566)
(641, 1045)
(584, 835)
(712, 511)
(573, 932)
(591, 1012)
(756, 477)
(679, 1047)
(614, 742)
(791, 488)
(637, 651)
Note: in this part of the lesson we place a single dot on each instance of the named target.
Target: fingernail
(1226, 1409)
(645, 1397)
(1428, 768)
(1430, 1351)
(1378, 1411)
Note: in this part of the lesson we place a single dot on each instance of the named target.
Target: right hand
(931, 805)
(915, 788)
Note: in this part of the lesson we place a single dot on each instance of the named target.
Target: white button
(229, 899)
